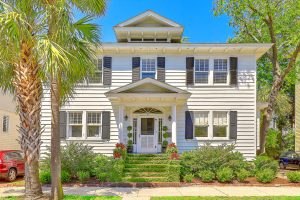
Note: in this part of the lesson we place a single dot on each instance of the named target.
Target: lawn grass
(227, 198)
(73, 197)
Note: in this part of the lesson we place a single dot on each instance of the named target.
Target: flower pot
(163, 149)
(129, 149)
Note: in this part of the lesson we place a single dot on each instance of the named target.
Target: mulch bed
(93, 182)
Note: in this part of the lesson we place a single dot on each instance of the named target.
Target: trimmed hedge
(293, 176)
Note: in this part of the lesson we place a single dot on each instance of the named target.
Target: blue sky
(195, 15)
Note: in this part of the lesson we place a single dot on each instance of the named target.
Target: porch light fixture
(170, 118)
(126, 118)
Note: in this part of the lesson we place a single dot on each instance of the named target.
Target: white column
(174, 132)
(121, 119)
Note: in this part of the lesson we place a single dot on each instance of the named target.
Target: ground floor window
(93, 124)
(75, 124)
(211, 124)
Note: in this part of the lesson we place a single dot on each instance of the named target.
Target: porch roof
(149, 89)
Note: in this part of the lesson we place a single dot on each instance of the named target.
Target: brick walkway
(146, 193)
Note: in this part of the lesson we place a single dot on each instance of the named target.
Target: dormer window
(148, 68)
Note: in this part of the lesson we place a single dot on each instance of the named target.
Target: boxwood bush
(293, 176)
(83, 176)
(65, 176)
(206, 176)
(45, 176)
(213, 158)
(188, 178)
(242, 175)
(264, 162)
(265, 175)
(225, 175)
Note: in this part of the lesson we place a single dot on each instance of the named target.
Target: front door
(147, 142)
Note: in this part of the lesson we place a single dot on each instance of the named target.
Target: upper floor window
(97, 76)
(220, 71)
(5, 124)
(220, 124)
(201, 124)
(75, 124)
(201, 71)
(148, 69)
(93, 124)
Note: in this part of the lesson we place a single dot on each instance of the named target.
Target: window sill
(84, 139)
(212, 139)
(210, 85)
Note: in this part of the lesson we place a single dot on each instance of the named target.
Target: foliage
(83, 176)
(225, 175)
(120, 151)
(75, 157)
(206, 176)
(188, 178)
(242, 175)
(172, 152)
(173, 171)
(165, 136)
(65, 176)
(265, 175)
(212, 158)
(165, 143)
(293, 176)
(289, 141)
(264, 162)
(273, 143)
(129, 135)
(45, 176)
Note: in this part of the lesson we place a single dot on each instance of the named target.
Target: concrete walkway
(146, 193)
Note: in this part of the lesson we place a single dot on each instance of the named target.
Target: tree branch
(292, 61)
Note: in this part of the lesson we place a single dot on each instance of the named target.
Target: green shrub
(75, 157)
(83, 176)
(45, 177)
(242, 175)
(212, 158)
(188, 178)
(264, 162)
(173, 171)
(265, 175)
(206, 176)
(102, 177)
(117, 170)
(293, 176)
(225, 175)
(273, 143)
(289, 141)
(65, 176)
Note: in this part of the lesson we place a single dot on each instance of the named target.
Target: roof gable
(148, 85)
(148, 19)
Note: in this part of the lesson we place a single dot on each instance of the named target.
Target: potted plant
(165, 142)
(129, 141)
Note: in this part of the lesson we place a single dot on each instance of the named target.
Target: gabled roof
(157, 87)
(149, 14)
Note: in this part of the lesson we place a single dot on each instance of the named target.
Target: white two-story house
(149, 79)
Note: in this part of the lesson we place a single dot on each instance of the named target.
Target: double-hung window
(201, 124)
(5, 124)
(148, 69)
(220, 124)
(201, 71)
(220, 71)
(75, 124)
(93, 124)
(96, 78)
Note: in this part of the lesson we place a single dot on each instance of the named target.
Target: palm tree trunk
(28, 92)
(56, 186)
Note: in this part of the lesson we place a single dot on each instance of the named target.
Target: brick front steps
(146, 168)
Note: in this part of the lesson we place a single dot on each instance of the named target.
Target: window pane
(5, 123)
(93, 131)
(148, 75)
(201, 77)
(220, 118)
(94, 118)
(147, 126)
(76, 131)
(220, 65)
(201, 131)
(201, 118)
(220, 77)
(202, 65)
(75, 118)
(220, 131)
(96, 78)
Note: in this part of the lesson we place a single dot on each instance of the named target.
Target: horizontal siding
(241, 98)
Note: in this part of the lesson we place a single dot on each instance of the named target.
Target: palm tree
(19, 72)
(74, 60)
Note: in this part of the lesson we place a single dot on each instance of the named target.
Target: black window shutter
(233, 125)
(189, 127)
(136, 61)
(233, 70)
(63, 124)
(161, 63)
(190, 71)
(106, 125)
(107, 62)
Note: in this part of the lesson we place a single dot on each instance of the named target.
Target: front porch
(147, 106)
